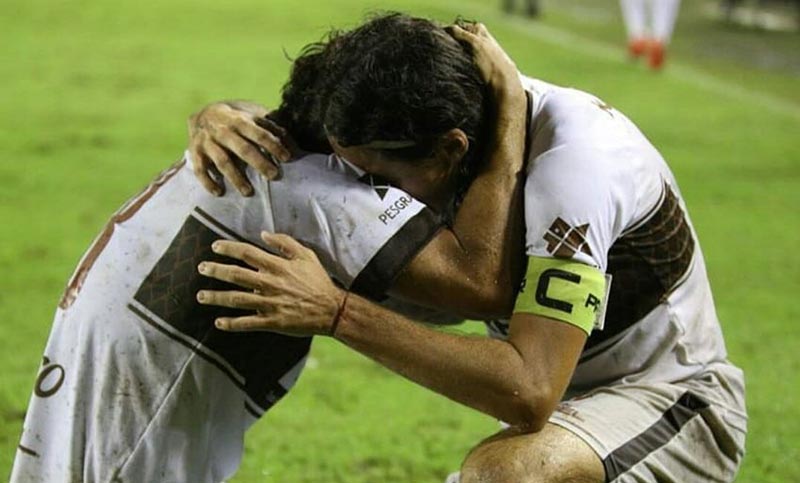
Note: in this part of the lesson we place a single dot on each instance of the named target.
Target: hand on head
(222, 134)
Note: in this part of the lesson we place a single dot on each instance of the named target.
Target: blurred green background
(95, 96)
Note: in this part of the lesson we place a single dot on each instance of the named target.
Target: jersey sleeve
(571, 209)
(363, 231)
(572, 217)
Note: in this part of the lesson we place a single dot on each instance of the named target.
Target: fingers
(286, 139)
(232, 274)
(252, 255)
(468, 32)
(202, 166)
(224, 134)
(268, 135)
(243, 324)
(267, 123)
(479, 29)
(233, 173)
(233, 299)
(459, 33)
(287, 246)
(475, 28)
(256, 146)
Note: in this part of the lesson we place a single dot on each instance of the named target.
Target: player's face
(431, 180)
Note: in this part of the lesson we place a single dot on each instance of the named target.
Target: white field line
(678, 71)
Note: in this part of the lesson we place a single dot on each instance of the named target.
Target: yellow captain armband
(564, 290)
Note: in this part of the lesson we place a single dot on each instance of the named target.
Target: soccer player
(137, 385)
(613, 365)
(649, 24)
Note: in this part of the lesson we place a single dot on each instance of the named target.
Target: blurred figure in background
(763, 14)
(531, 7)
(649, 25)
(728, 7)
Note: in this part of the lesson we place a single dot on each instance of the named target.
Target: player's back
(136, 383)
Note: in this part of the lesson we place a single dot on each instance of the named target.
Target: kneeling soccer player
(138, 385)
(613, 366)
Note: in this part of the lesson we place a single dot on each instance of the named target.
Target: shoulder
(317, 166)
(320, 179)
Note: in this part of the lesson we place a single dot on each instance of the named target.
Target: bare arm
(519, 381)
(474, 267)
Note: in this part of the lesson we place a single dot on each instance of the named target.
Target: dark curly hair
(394, 78)
(302, 108)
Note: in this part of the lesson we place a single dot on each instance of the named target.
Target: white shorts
(689, 431)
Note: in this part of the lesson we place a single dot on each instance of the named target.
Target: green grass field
(94, 102)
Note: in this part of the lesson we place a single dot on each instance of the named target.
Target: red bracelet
(338, 316)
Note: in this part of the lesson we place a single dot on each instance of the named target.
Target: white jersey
(136, 383)
(597, 192)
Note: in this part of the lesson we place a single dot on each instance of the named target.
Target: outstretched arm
(519, 381)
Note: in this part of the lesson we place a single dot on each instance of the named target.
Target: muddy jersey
(611, 248)
(136, 384)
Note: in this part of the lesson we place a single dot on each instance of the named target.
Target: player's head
(302, 108)
(398, 96)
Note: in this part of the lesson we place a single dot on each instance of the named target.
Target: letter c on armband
(544, 283)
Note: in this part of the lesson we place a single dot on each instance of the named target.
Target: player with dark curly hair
(612, 366)
(137, 384)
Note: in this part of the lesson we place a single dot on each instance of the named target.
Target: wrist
(509, 99)
(508, 140)
(339, 315)
(506, 84)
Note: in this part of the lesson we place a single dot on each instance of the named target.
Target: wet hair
(395, 81)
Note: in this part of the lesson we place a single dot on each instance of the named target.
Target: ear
(452, 145)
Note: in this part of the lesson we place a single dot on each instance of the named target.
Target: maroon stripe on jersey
(646, 264)
(193, 347)
(622, 459)
(381, 271)
(218, 225)
(121, 216)
(261, 359)
(528, 125)
(189, 345)
(253, 411)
